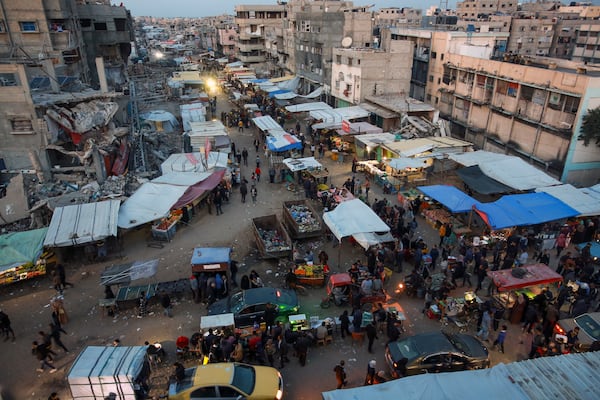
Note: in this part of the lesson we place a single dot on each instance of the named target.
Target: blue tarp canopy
(272, 94)
(523, 209)
(452, 198)
(19, 248)
(210, 255)
(279, 141)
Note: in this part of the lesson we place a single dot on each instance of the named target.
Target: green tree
(590, 127)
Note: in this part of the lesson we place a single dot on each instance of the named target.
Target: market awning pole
(470, 219)
(340, 255)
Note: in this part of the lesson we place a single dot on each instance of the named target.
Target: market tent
(150, 202)
(352, 217)
(82, 223)
(273, 93)
(182, 178)
(101, 370)
(300, 164)
(480, 182)
(569, 376)
(576, 198)
(267, 123)
(452, 198)
(19, 248)
(471, 158)
(285, 96)
(333, 118)
(279, 141)
(523, 209)
(594, 251)
(193, 162)
(517, 174)
(194, 112)
(162, 120)
(535, 274)
(358, 128)
(211, 259)
(368, 239)
(306, 107)
(198, 189)
(405, 162)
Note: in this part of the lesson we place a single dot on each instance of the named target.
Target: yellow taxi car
(228, 381)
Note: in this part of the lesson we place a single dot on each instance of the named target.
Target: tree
(590, 127)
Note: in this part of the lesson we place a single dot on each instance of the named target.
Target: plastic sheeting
(480, 182)
(471, 158)
(523, 209)
(369, 239)
(82, 223)
(150, 202)
(211, 255)
(267, 123)
(193, 162)
(194, 112)
(19, 248)
(281, 141)
(517, 174)
(577, 198)
(452, 198)
(333, 118)
(300, 164)
(197, 190)
(404, 162)
(352, 217)
(306, 107)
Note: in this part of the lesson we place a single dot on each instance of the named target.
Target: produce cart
(310, 275)
(301, 220)
(166, 228)
(272, 239)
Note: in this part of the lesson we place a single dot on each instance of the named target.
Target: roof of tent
(352, 217)
(523, 209)
(368, 239)
(576, 198)
(405, 162)
(210, 255)
(198, 189)
(569, 376)
(182, 178)
(480, 182)
(266, 122)
(333, 118)
(357, 128)
(299, 164)
(193, 112)
(206, 128)
(452, 198)
(375, 139)
(471, 158)
(21, 247)
(282, 141)
(536, 274)
(149, 203)
(193, 162)
(305, 107)
(82, 223)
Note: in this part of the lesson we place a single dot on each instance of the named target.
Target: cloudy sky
(204, 8)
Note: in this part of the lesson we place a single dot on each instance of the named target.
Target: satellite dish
(347, 42)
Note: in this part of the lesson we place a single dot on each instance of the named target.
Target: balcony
(251, 58)
(248, 47)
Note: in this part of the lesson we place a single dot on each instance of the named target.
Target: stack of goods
(273, 240)
(304, 218)
(309, 270)
(435, 215)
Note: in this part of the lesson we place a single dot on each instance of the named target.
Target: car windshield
(590, 326)
(457, 343)
(404, 348)
(236, 302)
(244, 378)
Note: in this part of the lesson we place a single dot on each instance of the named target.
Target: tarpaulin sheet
(480, 182)
(150, 202)
(516, 173)
(19, 248)
(523, 209)
(267, 123)
(280, 141)
(211, 255)
(306, 107)
(197, 190)
(352, 217)
(536, 274)
(300, 164)
(452, 198)
(579, 199)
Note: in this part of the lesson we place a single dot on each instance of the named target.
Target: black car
(248, 306)
(436, 352)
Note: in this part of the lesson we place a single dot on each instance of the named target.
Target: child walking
(501, 338)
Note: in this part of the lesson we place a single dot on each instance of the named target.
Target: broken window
(85, 22)
(21, 126)
(100, 26)
(9, 79)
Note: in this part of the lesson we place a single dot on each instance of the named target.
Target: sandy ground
(27, 303)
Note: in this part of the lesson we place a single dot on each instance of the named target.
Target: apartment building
(531, 36)
(475, 9)
(405, 17)
(587, 43)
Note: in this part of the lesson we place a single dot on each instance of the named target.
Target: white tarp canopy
(193, 162)
(368, 239)
(352, 217)
(404, 162)
(99, 371)
(471, 158)
(267, 123)
(207, 128)
(299, 164)
(305, 107)
(150, 202)
(82, 223)
(194, 112)
(216, 321)
(333, 118)
(517, 174)
(182, 178)
(375, 139)
(574, 198)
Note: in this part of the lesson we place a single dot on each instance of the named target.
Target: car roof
(261, 295)
(432, 342)
(214, 374)
(589, 324)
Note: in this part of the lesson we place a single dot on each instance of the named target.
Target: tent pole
(470, 219)
(340, 255)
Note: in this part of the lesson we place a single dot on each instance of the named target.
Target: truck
(272, 239)
(301, 220)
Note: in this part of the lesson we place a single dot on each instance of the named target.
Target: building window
(350, 61)
(338, 59)
(28, 26)
(433, 55)
(430, 78)
(85, 22)
(358, 62)
(442, 57)
(428, 97)
(100, 26)
(21, 126)
(2, 29)
(9, 79)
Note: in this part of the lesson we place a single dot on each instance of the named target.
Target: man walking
(5, 326)
(245, 156)
(165, 302)
(40, 351)
(243, 189)
(253, 194)
(55, 331)
(340, 375)
(371, 335)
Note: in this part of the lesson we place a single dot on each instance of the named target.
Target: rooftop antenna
(443, 5)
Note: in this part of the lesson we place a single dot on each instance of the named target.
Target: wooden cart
(272, 239)
(310, 275)
(301, 220)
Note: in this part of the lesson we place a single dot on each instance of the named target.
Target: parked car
(436, 352)
(248, 306)
(228, 381)
(589, 329)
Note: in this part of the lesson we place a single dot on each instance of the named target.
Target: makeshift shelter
(353, 217)
(300, 164)
(535, 274)
(193, 162)
(579, 199)
(306, 107)
(211, 259)
(523, 209)
(99, 371)
(267, 123)
(19, 253)
(570, 376)
(198, 189)
(480, 182)
(369, 239)
(471, 158)
(82, 223)
(212, 133)
(332, 119)
(279, 141)
(452, 198)
(193, 112)
(160, 121)
(125, 273)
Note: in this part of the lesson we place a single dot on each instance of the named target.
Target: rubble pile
(160, 146)
(304, 218)
(273, 240)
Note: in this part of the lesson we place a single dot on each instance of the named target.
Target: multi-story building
(531, 36)
(227, 38)
(475, 9)
(587, 43)
(258, 29)
(405, 17)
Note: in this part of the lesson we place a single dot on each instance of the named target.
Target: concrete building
(258, 29)
(531, 36)
(361, 72)
(587, 43)
(227, 39)
(405, 17)
(475, 9)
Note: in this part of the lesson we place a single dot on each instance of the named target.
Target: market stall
(310, 275)
(23, 257)
(454, 201)
(211, 259)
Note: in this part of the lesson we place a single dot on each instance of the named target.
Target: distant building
(475, 9)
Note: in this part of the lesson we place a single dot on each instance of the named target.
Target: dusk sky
(205, 8)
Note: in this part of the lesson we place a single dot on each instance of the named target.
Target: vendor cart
(211, 259)
(310, 275)
(272, 239)
(217, 323)
(301, 220)
(166, 228)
